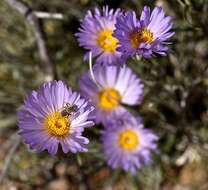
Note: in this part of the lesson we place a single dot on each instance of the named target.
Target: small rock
(194, 175)
(59, 184)
(61, 169)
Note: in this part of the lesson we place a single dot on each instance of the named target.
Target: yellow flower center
(106, 41)
(109, 99)
(57, 125)
(128, 139)
(144, 35)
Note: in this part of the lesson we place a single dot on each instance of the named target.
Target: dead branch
(27, 11)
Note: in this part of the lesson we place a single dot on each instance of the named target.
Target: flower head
(55, 115)
(127, 145)
(117, 86)
(96, 35)
(146, 36)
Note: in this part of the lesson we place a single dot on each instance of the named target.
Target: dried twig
(27, 11)
(15, 144)
(46, 15)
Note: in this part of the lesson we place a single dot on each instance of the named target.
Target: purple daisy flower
(55, 115)
(127, 144)
(95, 35)
(116, 86)
(146, 36)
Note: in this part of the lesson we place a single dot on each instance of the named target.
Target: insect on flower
(68, 109)
(54, 115)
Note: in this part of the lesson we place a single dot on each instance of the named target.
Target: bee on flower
(127, 145)
(146, 36)
(55, 115)
(116, 86)
(96, 35)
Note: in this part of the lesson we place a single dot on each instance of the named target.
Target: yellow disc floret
(142, 36)
(106, 41)
(109, 99)
(128, 139)
(57, 125)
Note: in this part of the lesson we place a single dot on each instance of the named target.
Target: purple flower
(95, 35)
(116, 86)
(55, 115)
(127, 144)
(147, 36)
